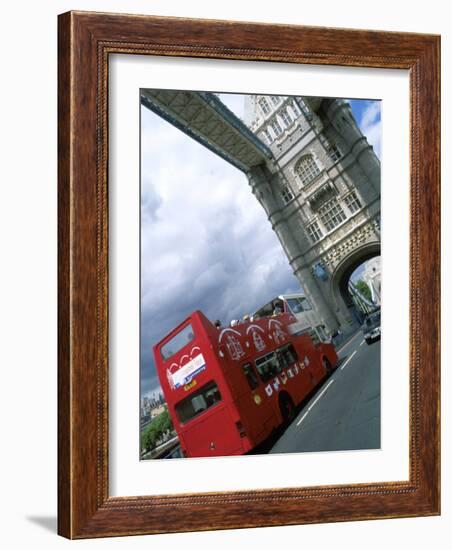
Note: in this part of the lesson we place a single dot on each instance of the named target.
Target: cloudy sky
(205, 241)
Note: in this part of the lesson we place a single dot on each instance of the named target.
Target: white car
(371, 327)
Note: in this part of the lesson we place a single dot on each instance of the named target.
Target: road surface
(345, 413)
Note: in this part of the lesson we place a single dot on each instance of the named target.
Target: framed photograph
(248, 275)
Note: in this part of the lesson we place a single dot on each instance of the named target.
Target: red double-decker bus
(227, 389)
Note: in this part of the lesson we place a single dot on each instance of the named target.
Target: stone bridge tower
(323, 196)
(311, 169)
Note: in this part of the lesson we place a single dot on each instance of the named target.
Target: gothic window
(268, 136)
(263, 104)
(331, 214)
(304, 107)
(276, 127)
(325, 141)
(307, 169)
(314, 232)
(352, 202)
(286, 118)
(295, 108)
(334, 153)
(275, 99)
(286, 194)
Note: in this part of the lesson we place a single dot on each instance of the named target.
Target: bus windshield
(177, 342)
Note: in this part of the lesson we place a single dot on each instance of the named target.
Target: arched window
(295, 108)
(286, 118)
(263, 104)
(315, 232)
(307, 169)
(286, 194)
(276, 127)
(267, 136)
(331, 214)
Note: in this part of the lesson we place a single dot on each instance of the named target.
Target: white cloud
(371, 113)
(205, 241)
(370, 124)
(234, 102)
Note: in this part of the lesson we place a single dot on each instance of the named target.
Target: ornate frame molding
(85, 42)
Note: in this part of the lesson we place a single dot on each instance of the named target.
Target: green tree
(154, 431)
(364, 289)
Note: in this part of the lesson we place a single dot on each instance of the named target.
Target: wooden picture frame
(85, 508)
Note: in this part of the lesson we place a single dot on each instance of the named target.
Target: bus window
(198, 402)
(298, 305)
(264, 311)
(314, 337)
(278, 307)
(250, 375)
(321, 332)
(177, 342)
(268, 366)
(287, 355)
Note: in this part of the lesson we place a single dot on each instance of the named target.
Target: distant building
(159, 409)
(145, 406)
(372, 276)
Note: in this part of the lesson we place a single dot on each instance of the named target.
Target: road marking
(362, 343)
(314, 402)
(348, 360)
(349, 342)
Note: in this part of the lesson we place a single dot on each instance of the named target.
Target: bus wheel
(287, 407)
(328, 366)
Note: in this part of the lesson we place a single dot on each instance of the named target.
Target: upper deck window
(177, 342)
(297, 305)
(272, 308)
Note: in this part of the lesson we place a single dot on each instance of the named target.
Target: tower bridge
(202, 116)
(310, 168)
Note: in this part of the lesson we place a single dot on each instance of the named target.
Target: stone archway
(344, 305)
